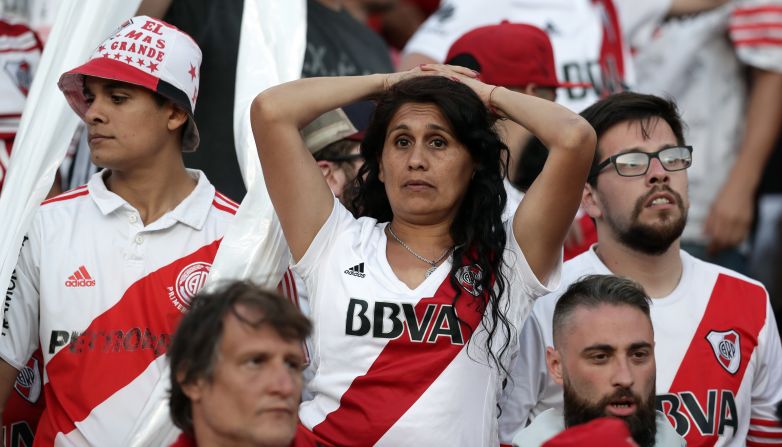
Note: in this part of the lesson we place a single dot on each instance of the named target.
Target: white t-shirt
(20, 53)
(583, 33)
(514, 200)
(700, 60)
(102, 294)
(393, 366)
(717, 347)
(551, 422)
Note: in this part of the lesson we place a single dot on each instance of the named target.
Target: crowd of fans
(511, 222)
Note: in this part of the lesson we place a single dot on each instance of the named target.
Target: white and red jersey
(20, 53)
(586, 36)
(718, 353)
(701, 61)
(102, 295)
(398, 366)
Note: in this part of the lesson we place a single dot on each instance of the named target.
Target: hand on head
(459, 74)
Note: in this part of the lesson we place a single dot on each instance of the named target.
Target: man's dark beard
(651, 240)
(642, 424)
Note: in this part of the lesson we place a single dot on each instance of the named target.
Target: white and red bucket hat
(149, 53)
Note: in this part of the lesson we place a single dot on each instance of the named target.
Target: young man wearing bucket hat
(107, 269)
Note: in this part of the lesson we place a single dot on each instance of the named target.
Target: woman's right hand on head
(454, 72)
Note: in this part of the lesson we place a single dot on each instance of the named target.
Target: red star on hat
(140, 61)
(117, 56)
(105, 54)
(101, 48)
(192, 72)
(195, 94)
(129, 59)
(152, 67)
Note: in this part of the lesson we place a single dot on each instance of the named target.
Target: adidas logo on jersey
(80, 278)
(356, 270)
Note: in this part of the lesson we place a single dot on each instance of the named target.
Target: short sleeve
(451, 20)
(766, 390)
(756, 34)
(515, 259)
(19, 338)
(323, 243)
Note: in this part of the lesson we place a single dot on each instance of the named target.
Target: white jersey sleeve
(322, 245)
(766, 384)
(528, 379)
(453, 19)
(640, 19)
(756, 34)
(20, 321)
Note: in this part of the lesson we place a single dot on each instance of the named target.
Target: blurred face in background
(252, 397)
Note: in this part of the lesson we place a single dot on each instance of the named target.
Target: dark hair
(530, 164)
(477, 230)
(595, 290)
(336, 151)
(194, 349)
(631, 107)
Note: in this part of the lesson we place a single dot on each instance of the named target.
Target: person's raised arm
(544, 216)
(300, 195)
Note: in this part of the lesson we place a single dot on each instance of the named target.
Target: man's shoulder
(666, 434)
(544, 427)
(703, 271)
(67, 198)
(572, 270)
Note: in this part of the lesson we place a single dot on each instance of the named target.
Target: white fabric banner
(48, 123)
(271, 51)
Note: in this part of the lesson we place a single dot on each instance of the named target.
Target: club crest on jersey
(28, 381)
(21, 74)
(188, 282)
(727, 349)
(469, 277)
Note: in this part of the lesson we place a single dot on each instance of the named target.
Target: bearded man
(719, 358)
(603, 356)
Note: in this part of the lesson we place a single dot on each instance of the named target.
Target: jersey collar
(192, 211)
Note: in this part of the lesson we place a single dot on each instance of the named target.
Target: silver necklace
(432, 263)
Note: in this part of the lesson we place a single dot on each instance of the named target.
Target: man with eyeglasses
(719, 358)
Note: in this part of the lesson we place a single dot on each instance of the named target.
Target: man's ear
(193, 390)
(590, 202)
(177, 117)
(554, 365)
(325, 167)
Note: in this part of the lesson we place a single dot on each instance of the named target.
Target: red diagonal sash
(736, 305)
(100, 362)
(402, 372)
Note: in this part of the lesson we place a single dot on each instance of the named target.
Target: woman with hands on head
(417, 302)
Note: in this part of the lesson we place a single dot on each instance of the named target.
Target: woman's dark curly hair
(477, 230)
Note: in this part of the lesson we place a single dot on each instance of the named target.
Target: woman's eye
(438, 143)
(117, 99)
(402, 142)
